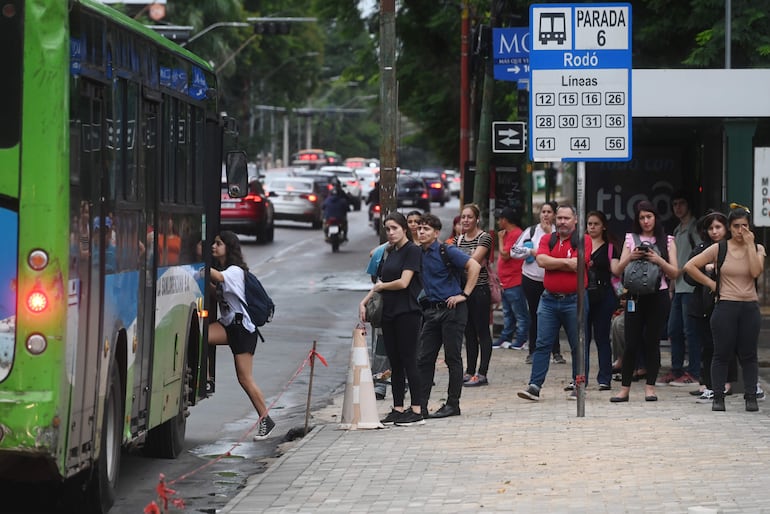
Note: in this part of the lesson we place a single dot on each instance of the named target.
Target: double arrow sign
(509, 136)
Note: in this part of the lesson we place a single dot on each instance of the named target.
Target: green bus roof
(126, 21)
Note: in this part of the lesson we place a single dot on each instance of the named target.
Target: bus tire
(100, 492)
(166, 441)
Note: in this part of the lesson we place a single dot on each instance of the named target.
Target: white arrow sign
(508, 136)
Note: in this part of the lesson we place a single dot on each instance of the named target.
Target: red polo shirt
(563, 281)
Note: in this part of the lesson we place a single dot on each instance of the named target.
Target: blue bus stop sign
(510, 53)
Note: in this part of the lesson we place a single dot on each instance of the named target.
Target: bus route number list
(572, 112)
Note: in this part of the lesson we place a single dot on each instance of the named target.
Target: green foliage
(335, 61)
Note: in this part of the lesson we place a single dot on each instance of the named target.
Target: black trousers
(735, 328)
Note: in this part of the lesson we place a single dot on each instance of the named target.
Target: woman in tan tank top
(736, 319)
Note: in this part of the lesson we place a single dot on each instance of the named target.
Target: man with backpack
(445, 312)
(682, 329)
(557, 255)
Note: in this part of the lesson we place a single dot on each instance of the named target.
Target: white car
(368, 178)
(350, 182)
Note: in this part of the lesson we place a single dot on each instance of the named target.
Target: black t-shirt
(600, 264)
(394, 303)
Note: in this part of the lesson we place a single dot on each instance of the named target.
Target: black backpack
(573, 240)
(641, 276)
(258, 304)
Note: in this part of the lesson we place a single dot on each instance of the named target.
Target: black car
(411, 192)
(438, 187)
(327, 179)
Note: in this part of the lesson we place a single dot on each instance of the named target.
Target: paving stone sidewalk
(505, 454)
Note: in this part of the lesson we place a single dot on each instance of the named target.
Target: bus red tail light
(37, 301)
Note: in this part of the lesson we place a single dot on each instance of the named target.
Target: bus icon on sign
(552, 27)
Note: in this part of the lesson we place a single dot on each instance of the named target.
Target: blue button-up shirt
(439, 281)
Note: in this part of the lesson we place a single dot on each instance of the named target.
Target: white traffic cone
(359, 410)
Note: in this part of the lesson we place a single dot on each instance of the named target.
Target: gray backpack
(641, 276)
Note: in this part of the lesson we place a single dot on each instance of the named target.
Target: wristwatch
(463, 293)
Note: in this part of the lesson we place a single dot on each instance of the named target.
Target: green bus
(111, 151)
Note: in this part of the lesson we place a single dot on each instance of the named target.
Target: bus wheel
(100, 493)
(166, 441)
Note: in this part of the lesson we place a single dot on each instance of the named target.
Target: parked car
(455, 182)
(297, 199)
(251, 215)
(411, 192)
(437, 187)
(350, 183)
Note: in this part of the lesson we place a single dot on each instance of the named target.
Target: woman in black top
(399, 283)
(602, 298)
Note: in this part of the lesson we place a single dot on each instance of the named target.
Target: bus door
(86, 279)
(148, 176)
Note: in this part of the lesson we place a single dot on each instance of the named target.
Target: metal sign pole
(580, 379)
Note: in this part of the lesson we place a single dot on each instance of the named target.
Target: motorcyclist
(373, 198)
(336, 206)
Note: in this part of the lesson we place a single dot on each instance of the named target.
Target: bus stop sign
(580, 100)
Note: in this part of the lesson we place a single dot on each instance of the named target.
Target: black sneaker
(409, 418)
(570, 386)
(391, 417)
(532, 392)
(266, 426)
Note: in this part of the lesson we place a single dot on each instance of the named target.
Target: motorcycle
(334, 234)
(375, 216)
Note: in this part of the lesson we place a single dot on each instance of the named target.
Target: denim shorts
(239, 339)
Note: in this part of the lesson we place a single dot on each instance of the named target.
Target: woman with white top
(532, 274)
(234, 327)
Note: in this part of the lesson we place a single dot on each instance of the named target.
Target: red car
(251, 215)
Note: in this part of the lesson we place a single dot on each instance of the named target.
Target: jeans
(682, 327)
(532, 291)
(600, 309)
(442, 327)
(735, 327)
(553, 313)
(477, 336)
(515, 310)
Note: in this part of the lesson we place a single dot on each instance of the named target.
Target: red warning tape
(165, 493)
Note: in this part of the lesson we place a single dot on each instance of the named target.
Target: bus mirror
(237, 174)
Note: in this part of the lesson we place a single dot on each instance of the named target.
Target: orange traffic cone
(359, 410)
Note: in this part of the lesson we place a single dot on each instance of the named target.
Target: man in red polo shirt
(557, 254)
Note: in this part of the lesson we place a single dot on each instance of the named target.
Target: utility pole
(484, 144)
(465, 97)
(389, 107)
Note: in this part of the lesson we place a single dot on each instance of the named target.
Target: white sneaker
(506, 345)
(760, 393)
(705, 397)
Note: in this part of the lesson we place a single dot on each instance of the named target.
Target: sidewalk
(505, 454)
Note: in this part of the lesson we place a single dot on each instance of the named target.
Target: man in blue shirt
(444, 312)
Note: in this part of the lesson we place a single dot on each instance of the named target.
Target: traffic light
(272, 28)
